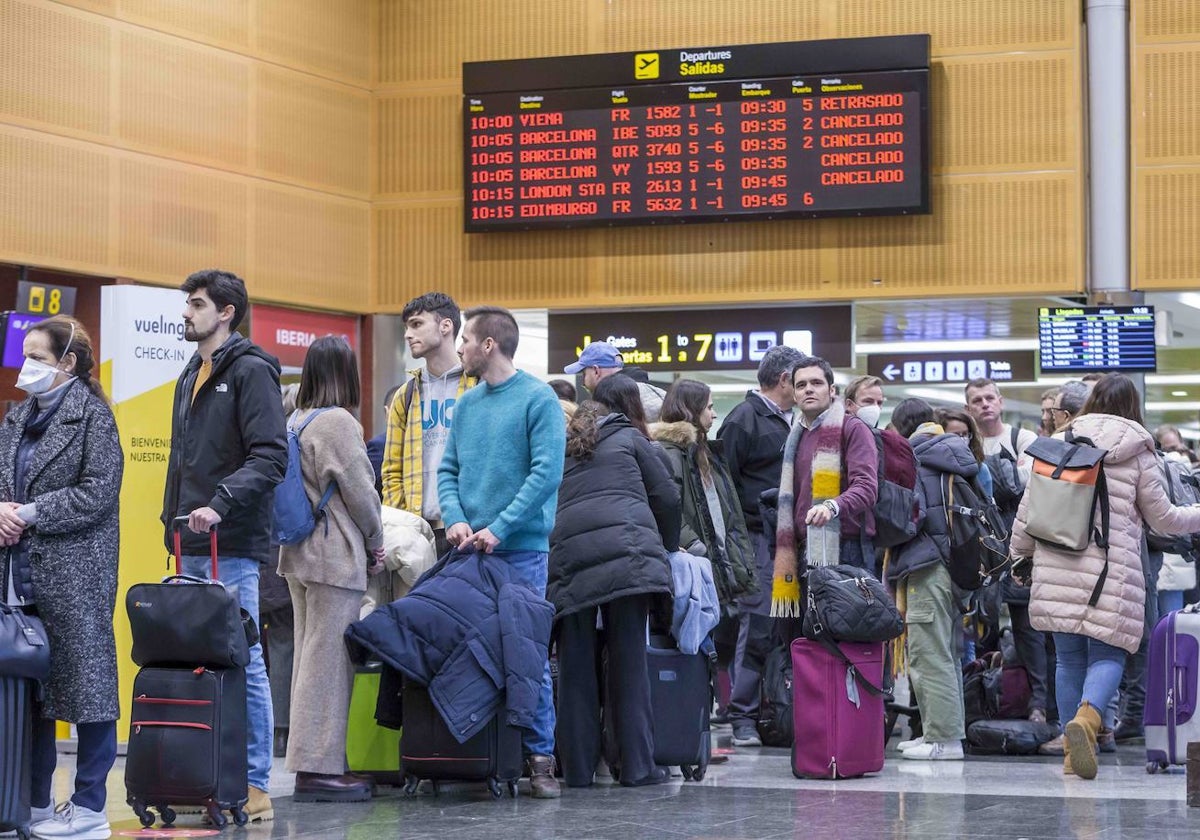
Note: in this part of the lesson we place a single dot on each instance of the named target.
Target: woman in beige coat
(327, 571)
(1092, 642)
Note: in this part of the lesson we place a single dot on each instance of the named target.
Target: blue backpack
(294, 517)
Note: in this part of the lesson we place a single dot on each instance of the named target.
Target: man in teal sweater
(498, 482)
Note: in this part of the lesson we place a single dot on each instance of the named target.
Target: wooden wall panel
(687, 23)
(311, 131)
(427, 40)
(184, 101)
(54, 67)
(54, 202)
(309, 249)
(331, 39)
(173, 219)
(1165, 153)
(222, 22)
(422, 131)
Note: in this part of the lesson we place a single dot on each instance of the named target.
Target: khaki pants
(933, 618)
(323, 677)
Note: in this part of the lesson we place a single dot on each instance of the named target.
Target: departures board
(810, 128)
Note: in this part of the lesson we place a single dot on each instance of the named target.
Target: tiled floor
(755, 796)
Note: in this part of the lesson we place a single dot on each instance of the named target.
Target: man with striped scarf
(827, 490)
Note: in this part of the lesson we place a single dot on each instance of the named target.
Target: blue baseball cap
(597, 354)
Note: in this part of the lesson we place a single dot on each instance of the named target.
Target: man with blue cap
(601, 359)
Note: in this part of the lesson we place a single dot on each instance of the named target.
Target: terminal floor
(754, 795)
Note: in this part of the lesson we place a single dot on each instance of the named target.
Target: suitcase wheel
(698, 773)
(494, 788)
(512, 789)
(1153, 767)
(686, 770)
(216, 816)
(411, 783)
(436, 787)
(240, 817)
(167, 815)
(145, 817)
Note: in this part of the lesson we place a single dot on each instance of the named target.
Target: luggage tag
(852, 687)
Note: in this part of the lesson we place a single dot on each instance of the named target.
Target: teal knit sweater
(504, 462)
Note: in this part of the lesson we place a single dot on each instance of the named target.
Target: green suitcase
(371, 748)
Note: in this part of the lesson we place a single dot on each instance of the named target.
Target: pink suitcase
(838, 721)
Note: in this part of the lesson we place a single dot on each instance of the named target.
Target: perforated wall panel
(225, 22)
(312, 132)
(309, 249)
(54, 67)
(184, 101)
(418, 138)
(1167, 104)
(1165, 20)
(54, 202)
(1166, 228)
(328, 38)
(173, 219)
(687, 23)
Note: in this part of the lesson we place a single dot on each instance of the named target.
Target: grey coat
(75, 479)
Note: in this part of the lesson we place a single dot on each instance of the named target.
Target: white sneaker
(908, 745)
(935, 751)
(73, 822)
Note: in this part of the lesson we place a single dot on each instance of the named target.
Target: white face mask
(869, 414)
(36, 377)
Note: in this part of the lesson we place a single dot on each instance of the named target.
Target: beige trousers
(322, 678)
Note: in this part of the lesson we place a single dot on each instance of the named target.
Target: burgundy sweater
(859, 484)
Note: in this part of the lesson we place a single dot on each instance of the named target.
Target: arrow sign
(891, 372)
(952, 368)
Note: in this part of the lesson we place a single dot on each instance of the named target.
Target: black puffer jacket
(617, 514)
(938, 455)
(228, 450)
(733, 563)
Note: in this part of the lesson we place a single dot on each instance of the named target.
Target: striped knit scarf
(823, 544)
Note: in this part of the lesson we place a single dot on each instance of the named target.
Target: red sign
(287, 333)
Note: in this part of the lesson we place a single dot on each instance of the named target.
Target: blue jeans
(531, 568)
(1088, 670)
(240, 575)
(97, 754)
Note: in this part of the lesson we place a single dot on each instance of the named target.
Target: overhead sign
(704, 339)
(1087, 339)
(940, 368)
(44, 299)
(287, 333)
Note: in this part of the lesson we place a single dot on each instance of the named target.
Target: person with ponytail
(60, 482)
(618, 516)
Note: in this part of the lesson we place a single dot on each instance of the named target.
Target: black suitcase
(429, 751)
(681, 697)
(187, 743)
(16, 751)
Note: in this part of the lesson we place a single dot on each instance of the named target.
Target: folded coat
(472, 633)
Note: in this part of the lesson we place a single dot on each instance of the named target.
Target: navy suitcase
(16, 750)
(429, 751)
(681, 699)
(187, 743)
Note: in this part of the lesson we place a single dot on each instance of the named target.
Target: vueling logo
(141, 604)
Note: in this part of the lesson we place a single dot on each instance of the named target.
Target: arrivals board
(764, 131)
(679, 340)
(1097, 339)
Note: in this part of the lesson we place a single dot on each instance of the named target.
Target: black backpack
(1007, 487)
(775, 725)
(1183, 488)
(896, 507)
(976, 531)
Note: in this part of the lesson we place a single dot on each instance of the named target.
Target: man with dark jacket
(753, 436)
(228, 451)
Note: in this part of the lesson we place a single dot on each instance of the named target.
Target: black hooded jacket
(228, 450)
(618, 515)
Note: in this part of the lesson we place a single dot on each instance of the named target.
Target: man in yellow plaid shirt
(421, 412)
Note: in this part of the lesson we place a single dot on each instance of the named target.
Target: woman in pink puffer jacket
(1092, 642)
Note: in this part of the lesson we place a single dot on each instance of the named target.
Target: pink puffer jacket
(1063, 580)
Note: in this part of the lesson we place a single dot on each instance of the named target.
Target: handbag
(848, 604)
(24, 645)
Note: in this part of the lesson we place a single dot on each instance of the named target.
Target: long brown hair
(329, 376)
(942, 416)
(684, 402)
(1115, 394)
(58, 331)
(583, 430)
(619, 394)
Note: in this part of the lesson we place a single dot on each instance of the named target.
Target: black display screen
(793, 141)
(1092, 339)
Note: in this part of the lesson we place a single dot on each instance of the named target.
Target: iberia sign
(287, 333)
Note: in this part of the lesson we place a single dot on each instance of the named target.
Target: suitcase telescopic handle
(177, 531)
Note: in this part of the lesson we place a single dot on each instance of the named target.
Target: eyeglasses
(1057, 410)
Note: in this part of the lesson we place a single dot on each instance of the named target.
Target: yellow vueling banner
(143, 353)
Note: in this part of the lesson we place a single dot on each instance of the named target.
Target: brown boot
(542, 784)
(1068, 770)
(1079, 741)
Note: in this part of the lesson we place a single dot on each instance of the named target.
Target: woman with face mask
(60, 480)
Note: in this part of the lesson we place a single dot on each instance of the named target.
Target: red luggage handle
(176, 532)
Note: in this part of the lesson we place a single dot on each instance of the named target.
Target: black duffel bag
(849, 604)
(775, 724)
(1008, 737)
